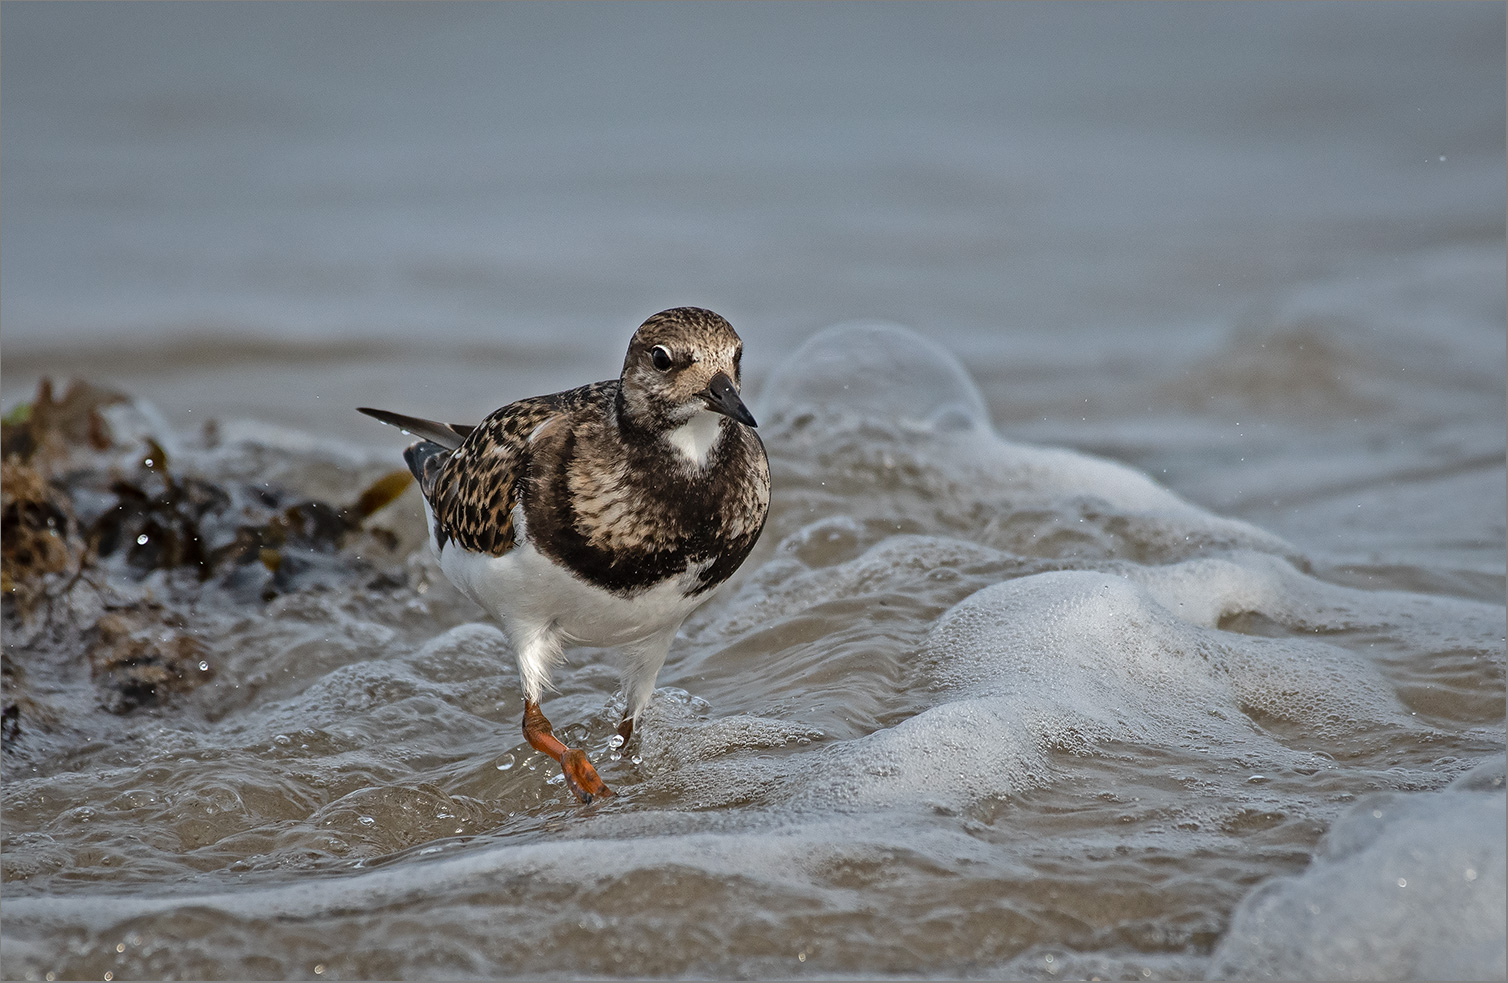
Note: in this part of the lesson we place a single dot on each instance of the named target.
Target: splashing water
(966, 708)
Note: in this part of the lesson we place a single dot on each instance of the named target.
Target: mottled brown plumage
(474, 488)
(648, 491)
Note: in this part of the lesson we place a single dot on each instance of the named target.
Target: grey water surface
(1132, 603)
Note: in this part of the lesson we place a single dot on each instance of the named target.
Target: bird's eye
(660, 358)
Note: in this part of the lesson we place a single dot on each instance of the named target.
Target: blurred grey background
(283, 210)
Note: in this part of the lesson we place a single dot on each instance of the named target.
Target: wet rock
(19, 711)
(116, 558)
(38, 533)
(144, 655)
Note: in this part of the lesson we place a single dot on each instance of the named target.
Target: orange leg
(580, 776)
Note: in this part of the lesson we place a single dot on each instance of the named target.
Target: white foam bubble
(1206, 590)
(873, 372)
(881, 408)
(786, 586)
(1075, 660)
(1403, 887)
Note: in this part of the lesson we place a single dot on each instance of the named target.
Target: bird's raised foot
(581, 778)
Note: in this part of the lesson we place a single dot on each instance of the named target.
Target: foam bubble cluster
(877, 414)
(1403, 887)
(872, 373)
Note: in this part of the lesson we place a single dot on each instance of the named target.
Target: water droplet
(636, 759)
(319, 969)
(203, 666)
(1471, 873)
(616, 742)
(366, 820)
(142, 539)
(505, 762)
(283, 740)
(120, 947)
(1403, 882)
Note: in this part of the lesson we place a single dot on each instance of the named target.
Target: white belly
(531, 595)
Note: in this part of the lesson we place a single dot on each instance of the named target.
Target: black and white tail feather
(426, 457)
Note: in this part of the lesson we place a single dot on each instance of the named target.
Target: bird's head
(681, 363)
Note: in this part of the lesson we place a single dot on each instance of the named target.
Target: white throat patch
(695, 438)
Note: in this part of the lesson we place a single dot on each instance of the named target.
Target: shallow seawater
(975, 708)
(1132, 601)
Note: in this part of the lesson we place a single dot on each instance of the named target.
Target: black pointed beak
(721, 397)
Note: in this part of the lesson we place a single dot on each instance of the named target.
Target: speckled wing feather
(473, 489)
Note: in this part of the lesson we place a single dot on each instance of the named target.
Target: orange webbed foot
(581, 778)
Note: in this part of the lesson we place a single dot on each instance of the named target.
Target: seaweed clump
(115, 559)
(39, 534)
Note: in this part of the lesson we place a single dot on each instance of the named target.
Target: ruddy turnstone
(602, 515)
